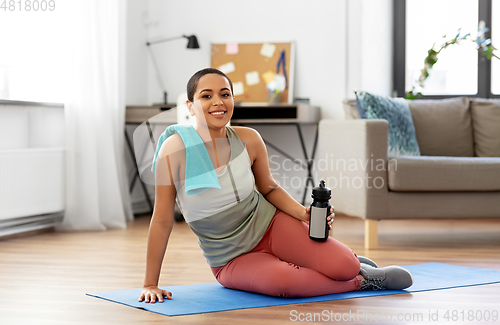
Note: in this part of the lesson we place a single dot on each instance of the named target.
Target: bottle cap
(321, 192)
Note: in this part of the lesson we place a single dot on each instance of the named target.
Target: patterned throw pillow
(402, 138)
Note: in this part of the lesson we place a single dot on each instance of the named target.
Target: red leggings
(286, 263)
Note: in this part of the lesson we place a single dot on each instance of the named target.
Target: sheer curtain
(96, 191)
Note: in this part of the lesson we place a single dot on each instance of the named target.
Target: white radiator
(32, 182)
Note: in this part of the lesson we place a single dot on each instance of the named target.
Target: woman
(253, 234)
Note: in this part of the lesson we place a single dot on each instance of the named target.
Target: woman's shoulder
(247, 135)
(173, 148)
(172, 144)
(252, 140)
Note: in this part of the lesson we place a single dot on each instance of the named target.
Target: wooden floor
(44, 278)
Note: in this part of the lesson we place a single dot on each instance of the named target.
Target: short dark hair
(193, 81)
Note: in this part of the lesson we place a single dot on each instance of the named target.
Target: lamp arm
(157, 70)
(192, 44)
(158, 76)
(163, 40)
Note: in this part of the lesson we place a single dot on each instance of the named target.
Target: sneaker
(385, 278)
(366, 260)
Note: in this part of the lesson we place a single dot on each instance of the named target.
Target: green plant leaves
(484, 47)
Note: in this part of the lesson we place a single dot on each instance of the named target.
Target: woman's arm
(159, 233)
(264, 180)
(161, 226)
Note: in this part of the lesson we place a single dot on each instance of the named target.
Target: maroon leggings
(286, 263)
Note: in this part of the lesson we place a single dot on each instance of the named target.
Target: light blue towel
(200, 173)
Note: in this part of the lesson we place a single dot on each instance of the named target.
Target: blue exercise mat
(212, 297)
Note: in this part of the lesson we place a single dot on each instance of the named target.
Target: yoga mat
(212, 297)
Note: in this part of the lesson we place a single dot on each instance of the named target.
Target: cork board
(251, 66)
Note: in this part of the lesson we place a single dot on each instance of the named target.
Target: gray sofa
(456, 176)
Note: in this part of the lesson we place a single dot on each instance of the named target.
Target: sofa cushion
(443, 126)
(486, 126)
(401, 137)
(359, 106)
(444, 174)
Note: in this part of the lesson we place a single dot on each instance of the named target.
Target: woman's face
(213, 101)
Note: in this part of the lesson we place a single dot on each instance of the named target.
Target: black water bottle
(320, 210)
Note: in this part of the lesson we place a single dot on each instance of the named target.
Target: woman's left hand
(331, 217)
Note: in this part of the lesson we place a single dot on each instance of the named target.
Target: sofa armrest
(352, 159)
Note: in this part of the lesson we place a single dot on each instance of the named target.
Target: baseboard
(25, 226)
(28, 233)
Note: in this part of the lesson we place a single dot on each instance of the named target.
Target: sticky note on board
(238, 88)
(227, 68)
(267, 50)
(232, 48)
(252, 78)
(268, 76)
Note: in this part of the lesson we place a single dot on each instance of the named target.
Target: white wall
(340, 45)
(369, 47)
(317, 27)
(136, 54)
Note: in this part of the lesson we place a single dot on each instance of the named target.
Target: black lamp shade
(192, 42)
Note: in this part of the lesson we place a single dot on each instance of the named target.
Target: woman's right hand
(153, 293)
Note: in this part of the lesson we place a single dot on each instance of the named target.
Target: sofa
(456, 175)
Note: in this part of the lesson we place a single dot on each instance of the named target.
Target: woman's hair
(193, 81)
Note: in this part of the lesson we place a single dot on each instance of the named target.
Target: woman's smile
(218, 114)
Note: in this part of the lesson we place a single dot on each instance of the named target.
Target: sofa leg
(371, 237)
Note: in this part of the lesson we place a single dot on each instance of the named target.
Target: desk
(244, 114)
(140, 114)
(136, 115)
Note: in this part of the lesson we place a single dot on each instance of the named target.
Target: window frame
(399, 54)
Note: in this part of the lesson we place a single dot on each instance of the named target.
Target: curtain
(97, 197)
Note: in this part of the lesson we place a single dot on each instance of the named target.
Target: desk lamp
(192, 44)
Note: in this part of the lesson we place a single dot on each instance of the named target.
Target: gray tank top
(229, 221)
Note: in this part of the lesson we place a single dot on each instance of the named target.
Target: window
(495, 39)
(31, 58)
(460, 70)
